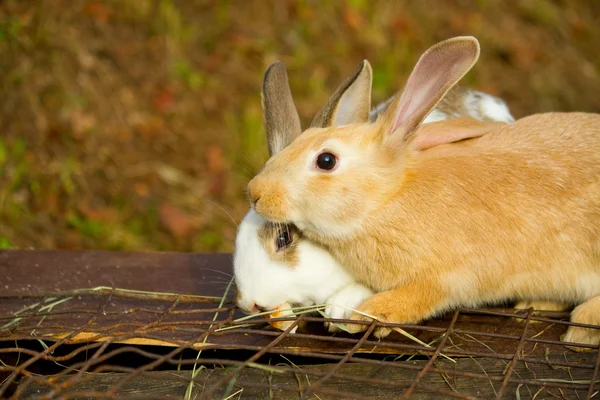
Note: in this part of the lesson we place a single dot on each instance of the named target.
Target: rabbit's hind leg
(541, 305)
(585, 313)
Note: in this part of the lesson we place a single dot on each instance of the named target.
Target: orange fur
(456, 129)
(514, 214)
(511, 215)
(586, 313)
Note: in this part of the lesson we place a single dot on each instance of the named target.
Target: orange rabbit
(447, 214)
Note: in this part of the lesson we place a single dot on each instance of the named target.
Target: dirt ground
(136, 124)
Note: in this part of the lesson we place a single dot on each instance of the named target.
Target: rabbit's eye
(326, 161)
(284, 239)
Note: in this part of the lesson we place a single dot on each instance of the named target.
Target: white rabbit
(460, 102)
(275, 265)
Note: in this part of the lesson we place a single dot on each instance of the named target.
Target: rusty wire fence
(109, 343)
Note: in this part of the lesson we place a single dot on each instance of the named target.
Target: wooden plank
(359, 380)
(157, 320)
(35, 272)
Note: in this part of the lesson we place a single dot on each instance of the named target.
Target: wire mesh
(111, 343)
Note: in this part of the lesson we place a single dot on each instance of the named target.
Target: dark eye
(326, 161)
(284, 239)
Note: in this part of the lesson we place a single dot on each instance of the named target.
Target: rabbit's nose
(254, 198)
(254, 192)
(250, 307)
(255, 309)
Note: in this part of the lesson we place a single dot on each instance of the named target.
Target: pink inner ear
(413, 100)
(438, 69)
(423, 85)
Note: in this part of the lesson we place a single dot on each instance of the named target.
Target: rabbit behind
(433, 221)
(460, 102)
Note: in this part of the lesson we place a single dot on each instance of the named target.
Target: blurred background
(136, 124)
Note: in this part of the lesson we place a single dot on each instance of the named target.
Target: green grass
(248, 149)
(5, 243)
(191, 77)
(10, 28)
(83, 122)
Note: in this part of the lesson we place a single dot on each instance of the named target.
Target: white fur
(435, 116)
(488, 106)
(478, 105)
(317, 279)
(346, 298)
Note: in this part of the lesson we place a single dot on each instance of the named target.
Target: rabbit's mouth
(282, 311)
(251, 308)
(270, 199)
(271, 214)
(274, 213)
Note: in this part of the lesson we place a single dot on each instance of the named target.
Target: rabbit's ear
(281, 119)
(453, 130)
(350, 103)
(436, 72)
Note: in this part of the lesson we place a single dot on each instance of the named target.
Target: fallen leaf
(217, 184)
(96, 213)
(164, 100)
(353, 19)
(81, 123)
(402, 25)
(98, 11)
(70, 240)
(525, 55)
(49, 203)
(141, 189)
(176, 221)
(213, 62)
(215, 159)
(149, 126)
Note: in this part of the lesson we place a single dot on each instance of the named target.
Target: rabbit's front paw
(388, 306)
(341, 304)
(586, 313)
(376, 307)
(408, 304)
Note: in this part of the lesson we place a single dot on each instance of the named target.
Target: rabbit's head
(273, 265)
(273, 262)
(328, 178)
